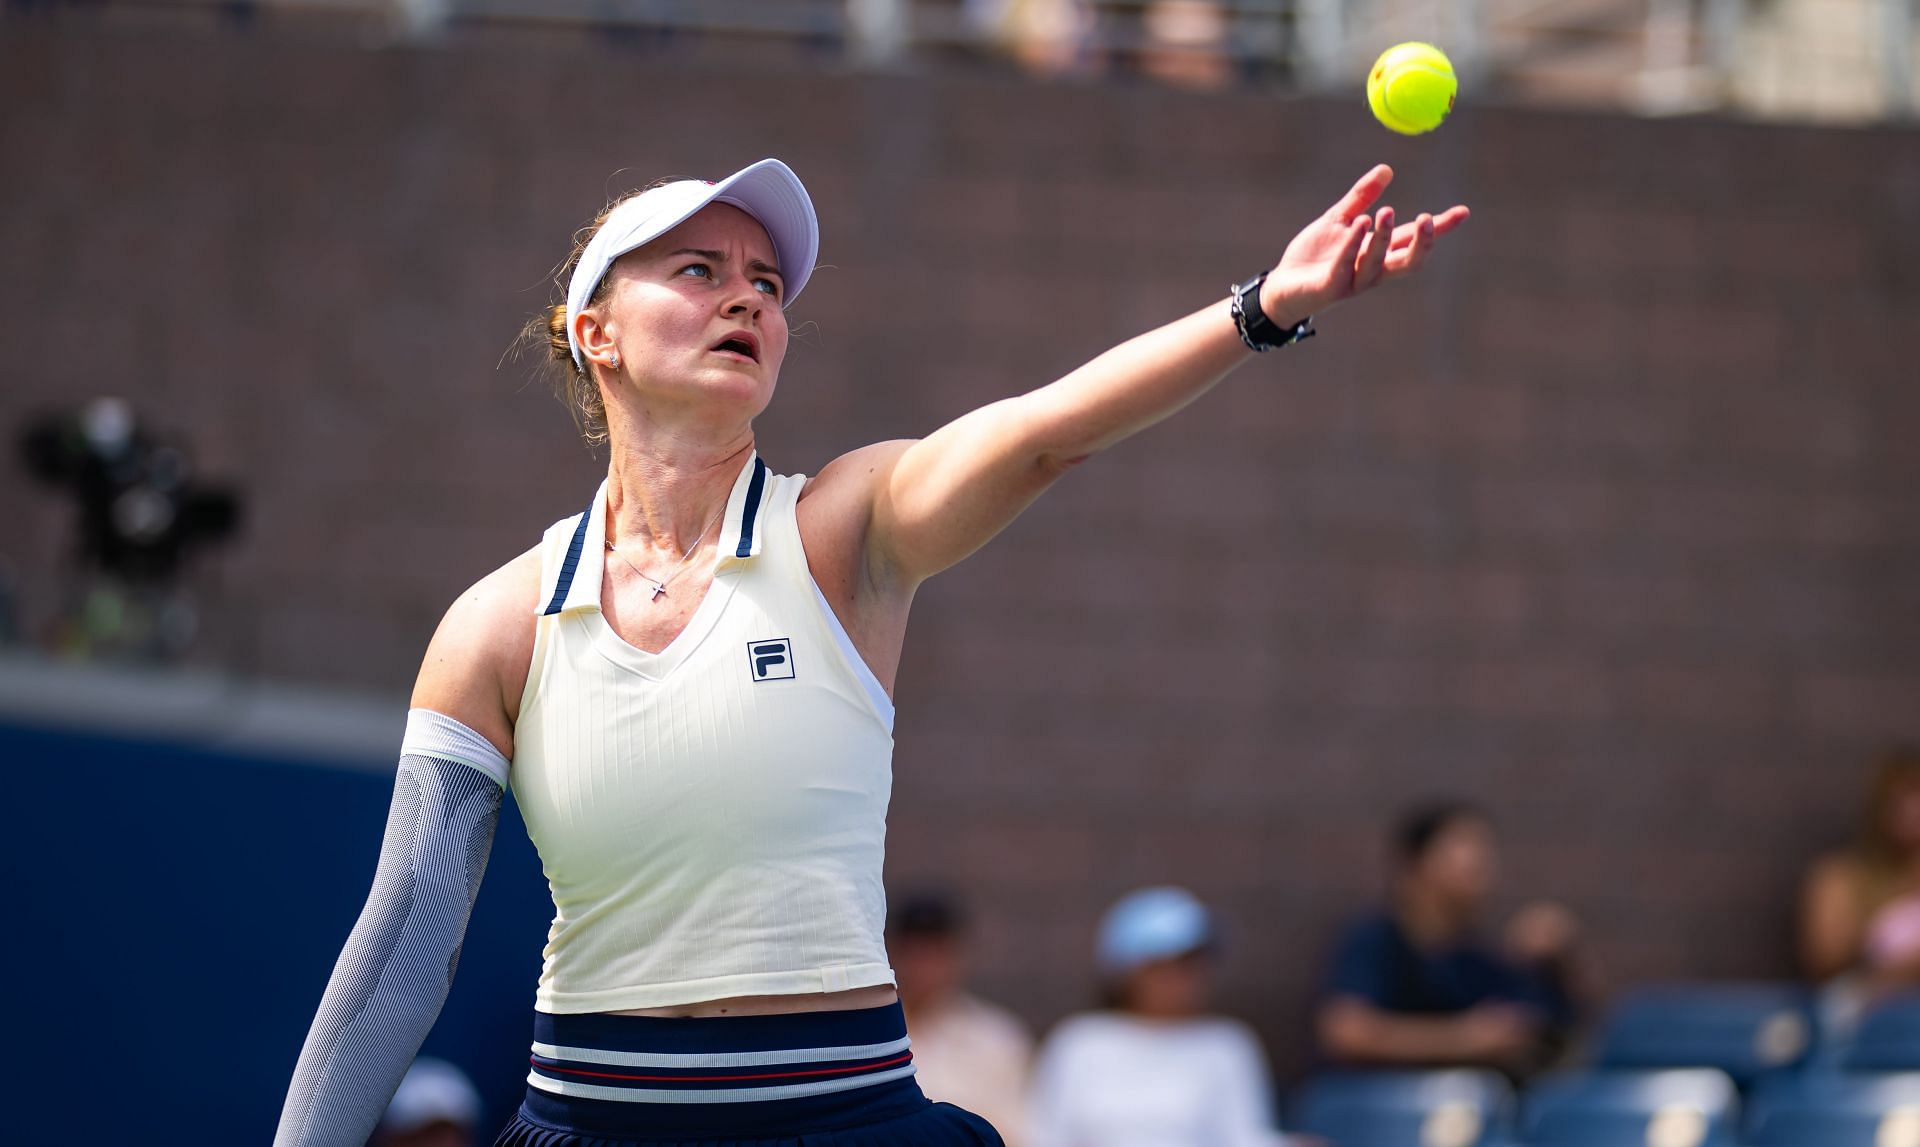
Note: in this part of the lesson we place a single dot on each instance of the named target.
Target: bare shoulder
(849, 481)
(837, 507)
(476, 665)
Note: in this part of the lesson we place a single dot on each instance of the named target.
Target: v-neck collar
(576, 584)
(576, 592)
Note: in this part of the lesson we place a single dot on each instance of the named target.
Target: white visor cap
(768, 190)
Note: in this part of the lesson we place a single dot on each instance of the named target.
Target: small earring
(614, 362)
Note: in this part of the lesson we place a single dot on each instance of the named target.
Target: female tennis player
(688, 687)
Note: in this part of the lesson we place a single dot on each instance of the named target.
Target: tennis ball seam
(1397, 78)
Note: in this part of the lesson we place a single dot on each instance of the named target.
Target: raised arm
(397, 966)
(937, 500)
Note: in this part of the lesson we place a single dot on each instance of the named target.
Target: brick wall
(1608, 523)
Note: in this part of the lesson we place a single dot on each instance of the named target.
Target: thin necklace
(660, 584)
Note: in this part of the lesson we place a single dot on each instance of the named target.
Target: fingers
(1408, 258)
(1406, 233)
(1374, 249)
(1345, 262)
(1442, 223)
(1449, 219)
(1364, 195)
(1373, 257)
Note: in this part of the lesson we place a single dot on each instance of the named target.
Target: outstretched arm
(937, 500)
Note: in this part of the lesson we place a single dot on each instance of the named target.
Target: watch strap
(1257, 330)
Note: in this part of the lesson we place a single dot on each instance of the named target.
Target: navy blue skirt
(816, 1079)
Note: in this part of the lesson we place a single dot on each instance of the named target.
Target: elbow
(1055, 428)
(1055, 464)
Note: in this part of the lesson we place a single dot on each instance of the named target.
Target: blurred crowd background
(1545, 631)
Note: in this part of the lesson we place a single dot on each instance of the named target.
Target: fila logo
(771, 660)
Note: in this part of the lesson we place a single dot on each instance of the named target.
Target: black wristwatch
(1259, 332)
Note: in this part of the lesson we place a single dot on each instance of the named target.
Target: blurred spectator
(1154, 1070)
(1860, 916)
(435, 1106)
(1047, 37)
(1186, 43)
(966, 1051)
(1413, 985)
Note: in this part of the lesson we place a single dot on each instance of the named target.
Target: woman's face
(695, 315)
(1173, 988)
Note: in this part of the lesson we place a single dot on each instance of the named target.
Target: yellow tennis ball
(1411, 88)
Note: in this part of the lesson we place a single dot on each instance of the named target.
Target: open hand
(1349, 250)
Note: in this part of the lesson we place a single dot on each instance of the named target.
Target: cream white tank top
(711, 818)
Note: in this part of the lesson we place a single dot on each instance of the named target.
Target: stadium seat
(1745, 1030)
(1888, 1038)
(1820, 1109)
(1405, 1108)
(1692, 1107)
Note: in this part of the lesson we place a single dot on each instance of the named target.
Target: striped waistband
(724, 1059)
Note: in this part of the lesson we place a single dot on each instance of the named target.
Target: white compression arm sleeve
(394, 973)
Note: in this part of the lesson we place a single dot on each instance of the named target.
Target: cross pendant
(658, 589)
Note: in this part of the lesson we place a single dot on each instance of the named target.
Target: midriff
(878, 996)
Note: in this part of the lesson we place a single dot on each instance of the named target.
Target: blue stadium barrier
(1745, 1030)
(1405, 1108)
(1820, 1109)
(1688, 1107)
(1888, 1038)
(177, 912)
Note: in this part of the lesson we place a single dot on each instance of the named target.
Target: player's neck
(664, 491)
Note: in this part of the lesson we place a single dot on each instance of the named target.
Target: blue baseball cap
(1152, 924)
